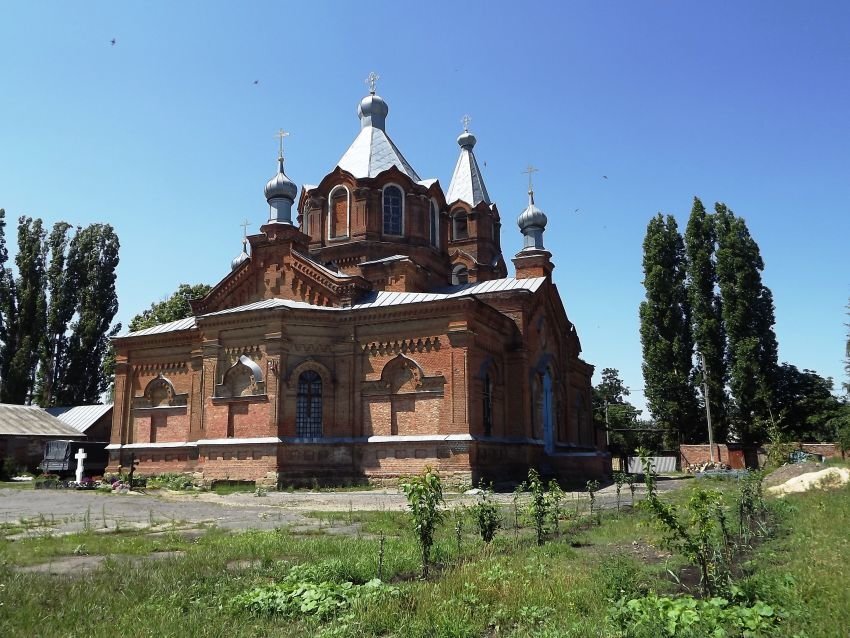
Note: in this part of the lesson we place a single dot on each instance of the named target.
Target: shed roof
(31, 420)
(80, 417)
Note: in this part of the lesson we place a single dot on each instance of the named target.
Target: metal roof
(467, 182)
(31, 420)
(371, 153)
(384, 260)
(172, 326)
(80, 417)
(380, 299)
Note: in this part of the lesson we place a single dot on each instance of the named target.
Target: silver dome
(280, 186)
(240, 259)
(532, 216)
(373, 111)
(466, 140)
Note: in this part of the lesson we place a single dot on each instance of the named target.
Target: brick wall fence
(739, 456)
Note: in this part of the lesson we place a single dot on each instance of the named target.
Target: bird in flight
(256, 81)
(576, 210)
(604, 177)
(112, 41)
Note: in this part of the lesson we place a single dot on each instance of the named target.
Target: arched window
(308, 407)
(487, 407)
(338, 212)
(393, 210)
(459, 226)
(460, 275)
(434, 224)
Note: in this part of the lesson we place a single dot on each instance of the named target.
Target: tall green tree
(173, 308)
(61, 305)
(707, 312)
(5, 295)
(26, 314)
(665, 331)
(609, 396)
(92, 260)
(748, 317)
(806, 407)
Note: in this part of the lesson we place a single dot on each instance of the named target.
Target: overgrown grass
(511, 588)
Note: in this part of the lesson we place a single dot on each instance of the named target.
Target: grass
(512, 588)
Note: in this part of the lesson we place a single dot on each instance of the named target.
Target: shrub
(619, 481)
(486, 513)
(424, 494)
(538, 507)
(170, 481)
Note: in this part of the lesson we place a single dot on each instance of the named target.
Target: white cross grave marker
(80, 456)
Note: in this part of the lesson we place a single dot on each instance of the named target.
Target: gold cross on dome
(372, 81)
(280, 135)
(245, 225)
(466, 120)
(530, 170)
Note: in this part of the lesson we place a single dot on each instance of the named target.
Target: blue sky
(166, 136)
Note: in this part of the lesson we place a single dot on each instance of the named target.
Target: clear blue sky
(166, 136)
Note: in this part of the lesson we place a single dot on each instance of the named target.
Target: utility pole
(701, 363)
(607, 430)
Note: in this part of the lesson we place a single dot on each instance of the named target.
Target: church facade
(370, 330)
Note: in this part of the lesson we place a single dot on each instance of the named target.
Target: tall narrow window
(392, 210)
(338, 213)
(487, 408)
(459, 226)
(308, 407)
(434, 224)
(460, 275)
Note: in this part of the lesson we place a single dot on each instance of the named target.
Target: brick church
(368, 330)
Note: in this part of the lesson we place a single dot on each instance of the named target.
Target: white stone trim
(139, 446)
(246, 441)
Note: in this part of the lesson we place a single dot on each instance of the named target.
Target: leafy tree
(26, 306)
(807, 409)
(61, 305)
(424, 494)
(748, 318)
(622, 415)
(665, 331)
(92, 260)
(707, 311)
(171, 309)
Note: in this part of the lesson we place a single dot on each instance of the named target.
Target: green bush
(310, 590)
(170, 481)
(424, 494)
(686, 617)
(486, 513)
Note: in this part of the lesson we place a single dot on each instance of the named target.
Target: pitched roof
(31, 420)
(467, 182)
(372, 300)
(372, 152)
(80, 417)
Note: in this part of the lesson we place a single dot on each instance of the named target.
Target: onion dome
(373, 111)
(241, 258)
(466, 140)
(280, 186)
(532, 222)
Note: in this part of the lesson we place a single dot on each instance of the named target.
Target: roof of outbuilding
(31, 420)
(80, 417)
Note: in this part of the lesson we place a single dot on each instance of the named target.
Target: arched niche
(159, 393)
(243, 379)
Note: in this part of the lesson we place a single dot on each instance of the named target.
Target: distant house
(24, 429)
(92, 421)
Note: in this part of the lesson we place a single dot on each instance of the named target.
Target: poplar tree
(5, 297)
(707, 311)
(26, 305)
(91, 264)
(748, 317)
(665, 331)
(62, 302)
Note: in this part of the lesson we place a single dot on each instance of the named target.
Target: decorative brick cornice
(403, 346)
